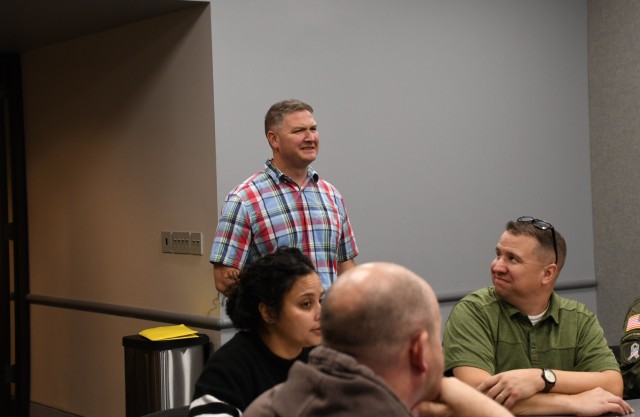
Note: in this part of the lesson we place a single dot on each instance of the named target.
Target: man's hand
(511, 386)
(574, 394)
(224, 277)
(598, 401)
(459, 399)
(593, 402)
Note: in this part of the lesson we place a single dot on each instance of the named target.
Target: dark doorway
(14, 262)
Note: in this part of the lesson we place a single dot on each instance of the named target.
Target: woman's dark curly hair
(265, 280)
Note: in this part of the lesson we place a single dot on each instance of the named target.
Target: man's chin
(309, 155)
(499, 285)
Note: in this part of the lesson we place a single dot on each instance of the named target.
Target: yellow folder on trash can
(179, 331)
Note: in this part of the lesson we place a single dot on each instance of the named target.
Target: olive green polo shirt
(486, 332)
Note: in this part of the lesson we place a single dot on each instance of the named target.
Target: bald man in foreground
(381, 355)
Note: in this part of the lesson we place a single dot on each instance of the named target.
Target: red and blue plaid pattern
(269, 210)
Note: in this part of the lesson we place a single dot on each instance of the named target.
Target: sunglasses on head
(542, 225)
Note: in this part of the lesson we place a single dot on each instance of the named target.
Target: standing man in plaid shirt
(286, 204)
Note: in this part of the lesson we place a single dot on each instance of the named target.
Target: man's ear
(550, 272)
(417, 352)
(272, 137)
(266, 313)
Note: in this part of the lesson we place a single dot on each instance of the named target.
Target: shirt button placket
(533, 351)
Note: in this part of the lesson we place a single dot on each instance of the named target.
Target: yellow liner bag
(179, 331)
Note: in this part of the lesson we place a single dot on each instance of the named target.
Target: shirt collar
(278, 175)
(553, 310)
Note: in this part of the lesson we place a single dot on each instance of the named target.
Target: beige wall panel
(120, 146)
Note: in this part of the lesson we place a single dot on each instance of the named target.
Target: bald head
(377, 307)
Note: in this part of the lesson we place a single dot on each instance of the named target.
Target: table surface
(635, 404)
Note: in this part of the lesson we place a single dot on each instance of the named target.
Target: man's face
(517, 270)
(295, 144)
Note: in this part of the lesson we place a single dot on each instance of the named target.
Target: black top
(238, 372)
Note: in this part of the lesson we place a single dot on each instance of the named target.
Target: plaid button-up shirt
(269, 210)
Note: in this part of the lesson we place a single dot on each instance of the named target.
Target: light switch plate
(166, 242)
(180, 242)
(195, 243)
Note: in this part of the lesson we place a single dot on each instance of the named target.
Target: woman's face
(298, 324)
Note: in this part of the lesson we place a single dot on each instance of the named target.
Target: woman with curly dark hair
(275, 305)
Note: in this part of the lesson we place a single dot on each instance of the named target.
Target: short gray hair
(276, 113)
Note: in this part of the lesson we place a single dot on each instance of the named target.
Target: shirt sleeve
(593, 353)
(347, 248)
(210, 406)
(468, 340)
(232, 241)
(630, 351)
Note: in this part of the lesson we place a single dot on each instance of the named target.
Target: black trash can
(160, 375)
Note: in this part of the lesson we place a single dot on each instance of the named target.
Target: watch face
(550, 376)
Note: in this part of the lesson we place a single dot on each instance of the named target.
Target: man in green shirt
(525, 346)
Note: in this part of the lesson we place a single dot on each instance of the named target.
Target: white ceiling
(30, 24)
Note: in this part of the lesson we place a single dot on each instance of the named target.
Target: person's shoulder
(632, 322)
(255, 180)
(484, 296)
(569, 304)
(242, 344)
(477, 304)
(326, 184)
(634, 308)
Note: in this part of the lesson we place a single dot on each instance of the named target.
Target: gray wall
(614, 100)
(439, 120)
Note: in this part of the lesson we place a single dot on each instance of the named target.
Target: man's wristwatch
(549, 379)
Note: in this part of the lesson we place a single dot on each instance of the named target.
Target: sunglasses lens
(542, 225)
(525, 219)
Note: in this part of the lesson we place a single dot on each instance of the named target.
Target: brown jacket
(331, 384)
